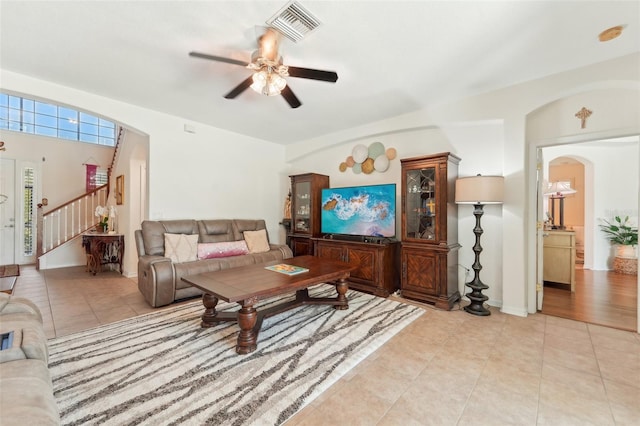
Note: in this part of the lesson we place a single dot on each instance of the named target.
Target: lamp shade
(559, 189)
(480, 190)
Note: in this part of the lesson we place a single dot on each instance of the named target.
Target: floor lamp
(478, 190)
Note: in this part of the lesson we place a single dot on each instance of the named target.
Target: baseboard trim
(510, 310)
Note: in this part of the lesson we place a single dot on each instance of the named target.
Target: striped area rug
(164, 369)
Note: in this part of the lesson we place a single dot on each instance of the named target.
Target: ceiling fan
(269, 73)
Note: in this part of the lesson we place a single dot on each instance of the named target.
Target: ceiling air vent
(294, 21)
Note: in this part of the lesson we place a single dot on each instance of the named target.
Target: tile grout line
(46, 286)
(604, 387)
(466, 402)
(544, 338)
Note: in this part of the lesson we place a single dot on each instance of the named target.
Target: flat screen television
(359, 210)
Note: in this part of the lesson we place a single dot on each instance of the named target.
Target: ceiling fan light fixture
(268, 83)
(268, 73)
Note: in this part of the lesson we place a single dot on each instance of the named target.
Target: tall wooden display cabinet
(429, 255)
(306, 192)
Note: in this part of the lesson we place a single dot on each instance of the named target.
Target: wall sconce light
(478, 190)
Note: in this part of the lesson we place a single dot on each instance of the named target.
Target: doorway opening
(604, 175)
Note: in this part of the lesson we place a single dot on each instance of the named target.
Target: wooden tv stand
(377, 262)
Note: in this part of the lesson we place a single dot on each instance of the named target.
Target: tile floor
(446, 368)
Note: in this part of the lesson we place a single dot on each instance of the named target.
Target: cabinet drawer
(330, 252)
(557, 239)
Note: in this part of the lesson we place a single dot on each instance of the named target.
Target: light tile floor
(446, 368)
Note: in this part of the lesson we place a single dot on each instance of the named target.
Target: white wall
(61, 161)
(130, 164)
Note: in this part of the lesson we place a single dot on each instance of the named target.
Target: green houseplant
(620, 232)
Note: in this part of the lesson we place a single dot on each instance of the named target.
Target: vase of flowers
(102, 213)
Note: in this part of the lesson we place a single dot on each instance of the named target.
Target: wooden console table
(103, 249)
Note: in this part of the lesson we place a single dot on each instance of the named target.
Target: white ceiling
(392, 57)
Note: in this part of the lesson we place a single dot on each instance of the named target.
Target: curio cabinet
(429, 254)
(306, 202)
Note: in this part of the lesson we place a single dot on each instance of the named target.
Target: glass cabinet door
(302, 207)
(420, 199)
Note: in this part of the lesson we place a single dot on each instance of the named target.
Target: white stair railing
(63, 223)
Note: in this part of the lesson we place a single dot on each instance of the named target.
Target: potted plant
(621, 233)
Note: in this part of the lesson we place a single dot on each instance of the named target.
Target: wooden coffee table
(246, 285)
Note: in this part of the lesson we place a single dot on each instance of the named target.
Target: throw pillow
(223, 249)
(180, 247)
(257, 241)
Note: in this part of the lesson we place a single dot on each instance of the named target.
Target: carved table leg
(92, 265)
(121, 255)
(302, 295)
(97, 252)
(341, 288)
(247, 318)
(208, 317)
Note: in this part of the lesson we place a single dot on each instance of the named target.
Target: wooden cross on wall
(583, 114)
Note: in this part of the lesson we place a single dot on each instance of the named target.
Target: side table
(103, 249)
(7, 284)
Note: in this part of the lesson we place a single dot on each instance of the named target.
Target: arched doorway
(554, 124)
(601, 296)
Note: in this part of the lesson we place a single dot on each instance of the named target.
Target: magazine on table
(283, 268)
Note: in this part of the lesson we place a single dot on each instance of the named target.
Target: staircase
(115, 157)
(75, 217)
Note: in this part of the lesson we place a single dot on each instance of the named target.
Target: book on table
(283, 268)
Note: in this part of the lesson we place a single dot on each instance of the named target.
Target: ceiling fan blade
(290, 97)
(312, 74)
(240, 88)
(218, 58)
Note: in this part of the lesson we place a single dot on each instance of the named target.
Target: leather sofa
(160, 278)
(27, 393)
